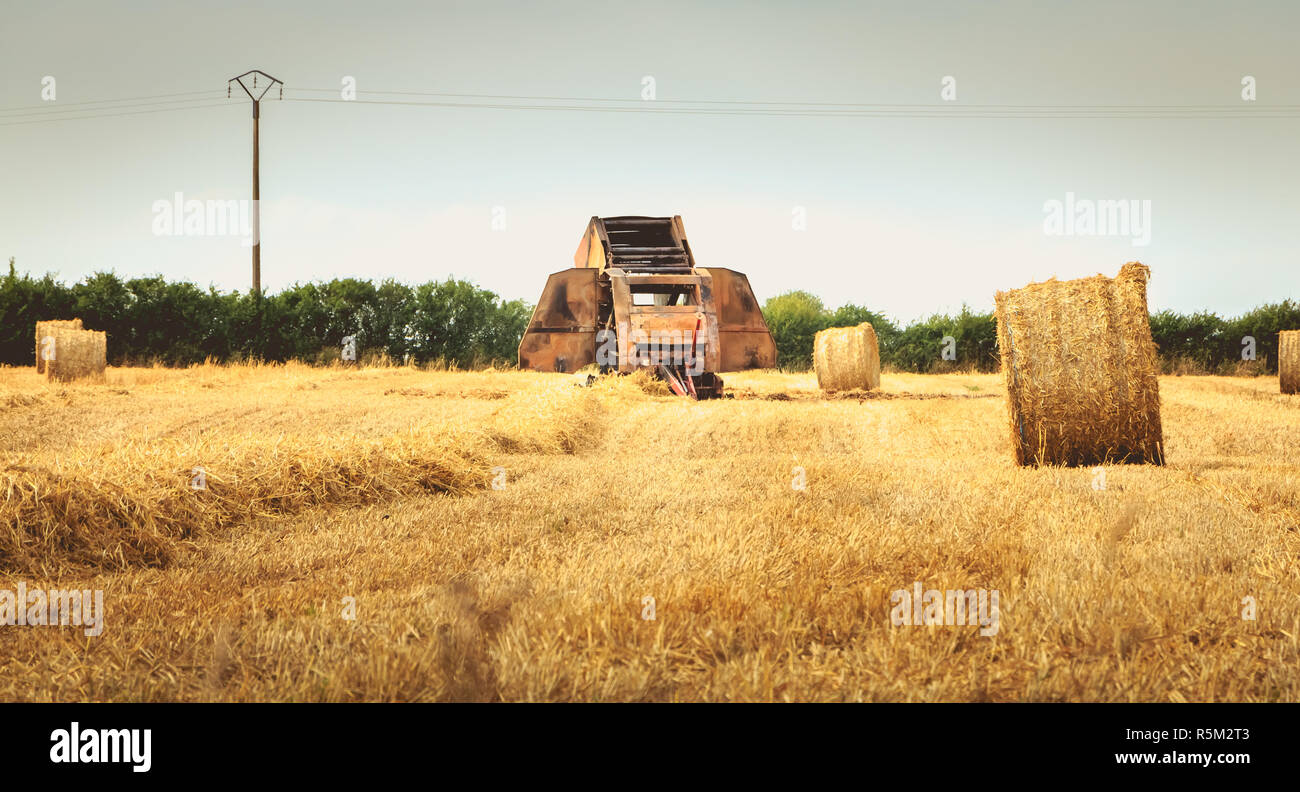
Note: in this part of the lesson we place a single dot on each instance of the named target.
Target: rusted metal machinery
(635, 299)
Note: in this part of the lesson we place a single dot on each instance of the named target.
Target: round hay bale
(43, 329)
(847, 358)
(78, 354)
(1288, 360)
(1081, 370)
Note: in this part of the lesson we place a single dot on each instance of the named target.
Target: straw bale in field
(78, 354)
(1081, 370)
(43, 331)
(1288, 360)
(847, 358)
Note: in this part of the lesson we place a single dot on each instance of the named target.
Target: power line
(53, 105)
(718, 107)
(111, 115)
(846, 106)
(933, 112)
(53, 112)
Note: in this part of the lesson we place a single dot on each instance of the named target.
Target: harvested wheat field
(496, 536)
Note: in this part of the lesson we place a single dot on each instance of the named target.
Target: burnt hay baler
(635, 299)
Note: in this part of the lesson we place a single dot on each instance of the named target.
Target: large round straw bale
(1081, 370)
(1288, 360)
(43, 329)
(847, 358)
(78, 354)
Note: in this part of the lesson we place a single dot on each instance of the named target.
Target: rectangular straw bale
(847, 358)
(43, 329)
(1288, 360)
(78, 354)
(1081, 370)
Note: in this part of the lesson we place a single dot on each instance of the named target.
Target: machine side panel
(562, 333)
(744, 340)
(591, 250)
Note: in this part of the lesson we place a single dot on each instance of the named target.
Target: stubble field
(496, 535)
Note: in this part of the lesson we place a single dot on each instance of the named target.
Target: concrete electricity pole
(271, 82)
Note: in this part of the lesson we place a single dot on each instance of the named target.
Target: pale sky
(906, 215)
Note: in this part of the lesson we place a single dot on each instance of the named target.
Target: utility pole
(271, 82)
